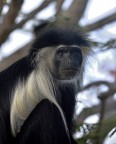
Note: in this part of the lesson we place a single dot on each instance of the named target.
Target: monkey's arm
(2, 131)
(5, 134)
(44, 125)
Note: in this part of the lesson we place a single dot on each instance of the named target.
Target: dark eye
(76, 52)
(60, 53)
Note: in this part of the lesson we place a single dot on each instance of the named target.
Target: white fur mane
(27, 95)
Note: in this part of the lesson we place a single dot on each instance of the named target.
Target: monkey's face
(67, 61)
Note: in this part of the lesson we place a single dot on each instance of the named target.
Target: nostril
(69, 62)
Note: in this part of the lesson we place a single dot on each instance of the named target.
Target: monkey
(37, 93)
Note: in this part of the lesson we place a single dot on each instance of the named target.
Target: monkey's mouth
(70, 72)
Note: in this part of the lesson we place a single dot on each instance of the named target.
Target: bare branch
(76, 10)
(87, 112)
(59, 6)
(8, 26)
(9, 20)
(97, 83)
(110, 107)
(15, 56)
(107, 94)
(100, 23)
(103, 95)
(32, 14)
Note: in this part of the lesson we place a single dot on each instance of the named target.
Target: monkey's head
(61, 51)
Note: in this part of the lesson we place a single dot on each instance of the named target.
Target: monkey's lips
(70, 72)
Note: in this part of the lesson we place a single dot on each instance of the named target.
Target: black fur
(56, 36)
(48, 128)
(44, 125)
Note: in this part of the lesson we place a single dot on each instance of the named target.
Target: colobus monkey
(37, 93)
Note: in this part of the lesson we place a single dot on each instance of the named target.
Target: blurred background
(21, 21)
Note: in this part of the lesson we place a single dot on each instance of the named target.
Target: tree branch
(15, 56)
(8, 26)
(110, 107)
(32, 14)
(108, 93)
(100, 23)
(9, 20)
(76, 10)
(97, 83)
(59, 6)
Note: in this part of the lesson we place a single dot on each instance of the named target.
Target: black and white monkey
(37, 93)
